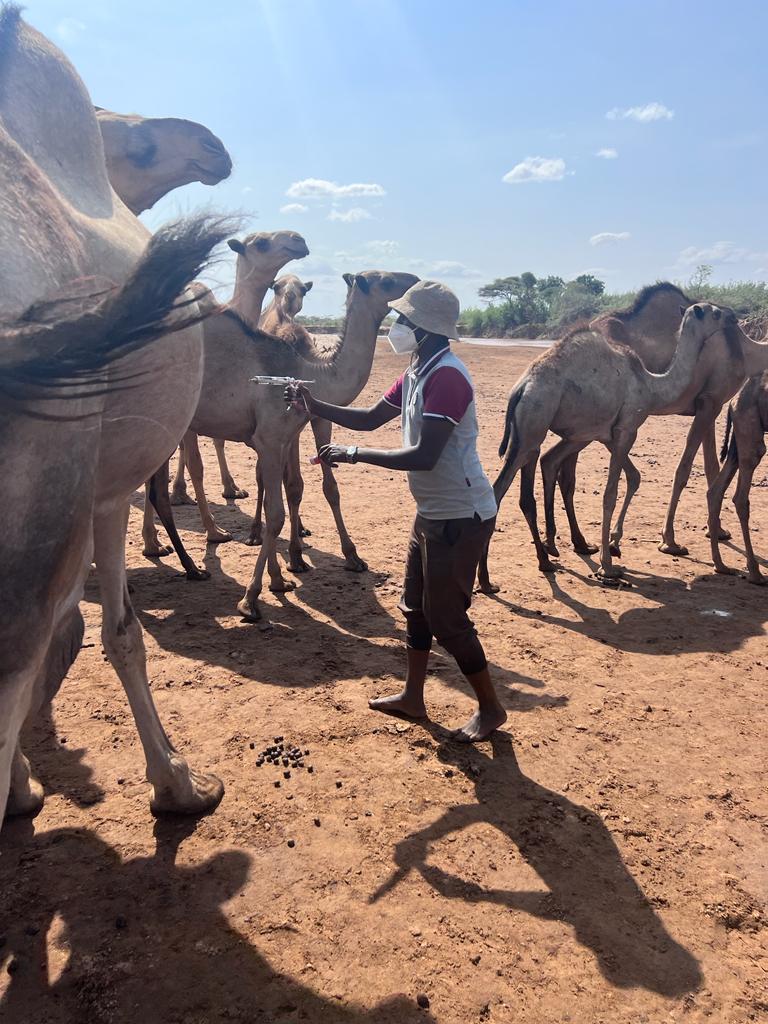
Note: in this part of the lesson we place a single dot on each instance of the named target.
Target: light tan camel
(147, 157)
(234, 408)
(70, 461)
(650, 327)
(586, 389)
(748, 415)
(259, 257)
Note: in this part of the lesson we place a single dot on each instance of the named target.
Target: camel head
(289, 294)
(377, 288)
(261, 255)
(147, 157)
(702, 320)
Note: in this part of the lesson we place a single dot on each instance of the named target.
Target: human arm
(419, 457)
(354, 419)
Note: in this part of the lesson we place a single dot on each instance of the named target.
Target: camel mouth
(212, 174)
(298, 252)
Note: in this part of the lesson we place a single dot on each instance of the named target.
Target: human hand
(333, 454)
(298, 396)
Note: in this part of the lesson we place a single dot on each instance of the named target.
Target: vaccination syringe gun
(280, 382)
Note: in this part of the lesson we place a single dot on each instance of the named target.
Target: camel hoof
(354, 563)
(611, 572)
(282, 586)
(546, 567)
(758, 581)
(198, 794)
(196, 574)
(488, 588)
(299, 566)
(672, 549)
(585, 548)
(159, 551)
(304, 532)
(551, 548)
(721, 534)
(234, 492)
(615, 550)
(181, 498)
(249, 611)
(219, 537)
(254, 542)
(26, 803)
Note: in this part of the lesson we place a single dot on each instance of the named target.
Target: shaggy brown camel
(650, 327)
(234, 408)
(748, 416)
(586, 389)
(71, 456)
(147, 157)
(259, 257)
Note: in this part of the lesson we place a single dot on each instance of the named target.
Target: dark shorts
(439, 578)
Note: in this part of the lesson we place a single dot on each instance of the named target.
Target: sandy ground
(603, 859)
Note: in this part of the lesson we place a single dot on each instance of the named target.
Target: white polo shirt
(456, 487)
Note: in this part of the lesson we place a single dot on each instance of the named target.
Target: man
(456, 509)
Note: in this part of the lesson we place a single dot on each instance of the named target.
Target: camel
(586, 389)
(748, 416)
(147, 157)
(650, 327)
(234, 408)
(71, 454)
(259, 257)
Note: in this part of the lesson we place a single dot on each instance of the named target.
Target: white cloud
(607, 153)
(246, 190)
(650, 112)
(720, 252)
(383, 246)
(294, 208)
(69, 29)
(604, 237)
(357, 213)
(442, 268)
(319, 188)
(536, 168)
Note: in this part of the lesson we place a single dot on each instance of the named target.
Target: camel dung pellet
(310, 768)
(289, 796)
(286, 762)
(317, 823)
(291, 843)
(277, 783)
(306, 753)
(338, 785)
(259, 762)
(286, 775)
(276, 739)
(252, 746)
(422, 1001)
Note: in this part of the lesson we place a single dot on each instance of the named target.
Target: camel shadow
(573, 853)
(723, 614)
(168, 957)
(59, 767)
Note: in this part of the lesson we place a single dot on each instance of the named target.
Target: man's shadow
(574, 854)
(143, 939)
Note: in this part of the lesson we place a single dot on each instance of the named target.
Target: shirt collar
(424, 367)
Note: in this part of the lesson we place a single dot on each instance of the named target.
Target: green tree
(591, 283)
(701, 277)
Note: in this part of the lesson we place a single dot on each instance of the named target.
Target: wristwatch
(352, 453)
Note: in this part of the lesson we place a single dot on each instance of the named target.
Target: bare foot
(481, 725)
(399, 704)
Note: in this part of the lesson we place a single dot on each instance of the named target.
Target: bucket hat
(431, 306)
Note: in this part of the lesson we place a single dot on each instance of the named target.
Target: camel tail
(728, 425)
(514, 398)
(51, 350)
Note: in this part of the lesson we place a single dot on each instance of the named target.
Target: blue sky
(432, 104)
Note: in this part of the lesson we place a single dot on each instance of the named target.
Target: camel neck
(668, 388)
(249, 294)
(755, 355)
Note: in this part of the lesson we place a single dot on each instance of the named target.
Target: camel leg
(696, 434)
(152, 546)
(158, 496)
(528, 508)
(255, 537)
(322, 431)
(747, 467)
(175, 787)
(16, 792)
(213, 533)
(633, 478)
(179, 494)
(712, 469)
(715, 495)
(231, 490)
(619, 453)
(551, 463)
(566, 480)
(500, 487)
(294, 492)
(271, 465)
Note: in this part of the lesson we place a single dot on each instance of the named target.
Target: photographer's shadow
(574, 854)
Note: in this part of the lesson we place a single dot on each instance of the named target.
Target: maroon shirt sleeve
(395, 394)
(447, 394)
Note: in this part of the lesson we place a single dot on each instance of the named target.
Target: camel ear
(236, 246)
(308, 286)
(273, 285)
(349, 279)
(717, 312)
(682, 311)
(698, 312)
(362, 283)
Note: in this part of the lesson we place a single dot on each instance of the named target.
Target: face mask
(402, 339)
